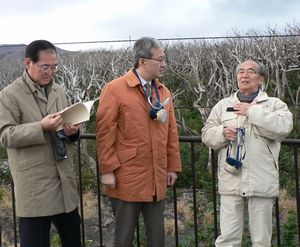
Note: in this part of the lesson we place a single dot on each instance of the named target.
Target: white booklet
(77, 113)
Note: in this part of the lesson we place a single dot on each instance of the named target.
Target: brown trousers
(126, 217)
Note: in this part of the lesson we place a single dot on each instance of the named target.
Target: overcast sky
(61, 21)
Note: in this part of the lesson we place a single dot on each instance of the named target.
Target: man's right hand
(230, 133)
(109, 179)
(52, 122)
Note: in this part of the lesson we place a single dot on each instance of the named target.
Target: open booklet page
(77, 113)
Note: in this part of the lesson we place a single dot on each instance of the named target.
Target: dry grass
(185, 215)
(5, 242)
(5, 216)
(286, 204)
(90, 205)
(170, 226)
(5, 198)
(208, 218)
(184, 211)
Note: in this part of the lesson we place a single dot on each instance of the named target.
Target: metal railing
(294, 145)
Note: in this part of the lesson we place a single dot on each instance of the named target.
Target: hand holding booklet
(77, 113)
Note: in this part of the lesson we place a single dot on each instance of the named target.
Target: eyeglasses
(46, 67)
(161, 59)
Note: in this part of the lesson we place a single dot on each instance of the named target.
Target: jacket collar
(35, 88)
(133, 80)
(262, 96)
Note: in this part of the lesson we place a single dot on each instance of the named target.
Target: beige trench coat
(43, 186)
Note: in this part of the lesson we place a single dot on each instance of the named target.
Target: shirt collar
(133, 81)
(143, 81)
(34, 86)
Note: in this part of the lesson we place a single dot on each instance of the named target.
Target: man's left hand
(71, 129)
(171, 178)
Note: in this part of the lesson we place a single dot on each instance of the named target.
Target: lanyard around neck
(153, 84)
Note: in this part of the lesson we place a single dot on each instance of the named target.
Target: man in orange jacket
(137, 144)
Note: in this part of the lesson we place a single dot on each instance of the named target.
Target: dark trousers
(35, 231)
(127, 215)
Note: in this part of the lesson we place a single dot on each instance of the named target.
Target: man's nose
(50, 72)
(163, 64)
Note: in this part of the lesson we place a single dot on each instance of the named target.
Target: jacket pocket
(272, 147)
(126, 154)
(29, 158)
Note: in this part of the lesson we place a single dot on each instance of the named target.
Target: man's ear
(141, 60)
(261, 83)
(27, 61)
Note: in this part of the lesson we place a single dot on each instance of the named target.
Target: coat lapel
(52, 98)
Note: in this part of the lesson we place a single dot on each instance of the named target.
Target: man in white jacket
(246, 128)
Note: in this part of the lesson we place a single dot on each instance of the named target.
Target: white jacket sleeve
(212, 132)
(274, 122)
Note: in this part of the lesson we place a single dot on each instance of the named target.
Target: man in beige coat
(246, 128)
(137, 144)
(40, 161)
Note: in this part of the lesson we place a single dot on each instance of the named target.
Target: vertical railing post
(194, 193)
(214, 190)
(297, 189)
(175, 216)
(14, 214)
(138, 233)
(278, 239)
(99, 201)
(80, 193)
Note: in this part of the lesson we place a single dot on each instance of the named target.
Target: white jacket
(266, 124)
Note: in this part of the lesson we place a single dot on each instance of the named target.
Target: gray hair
(143, 49)
(261, 70)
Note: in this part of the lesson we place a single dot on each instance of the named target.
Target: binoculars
(233, 164)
